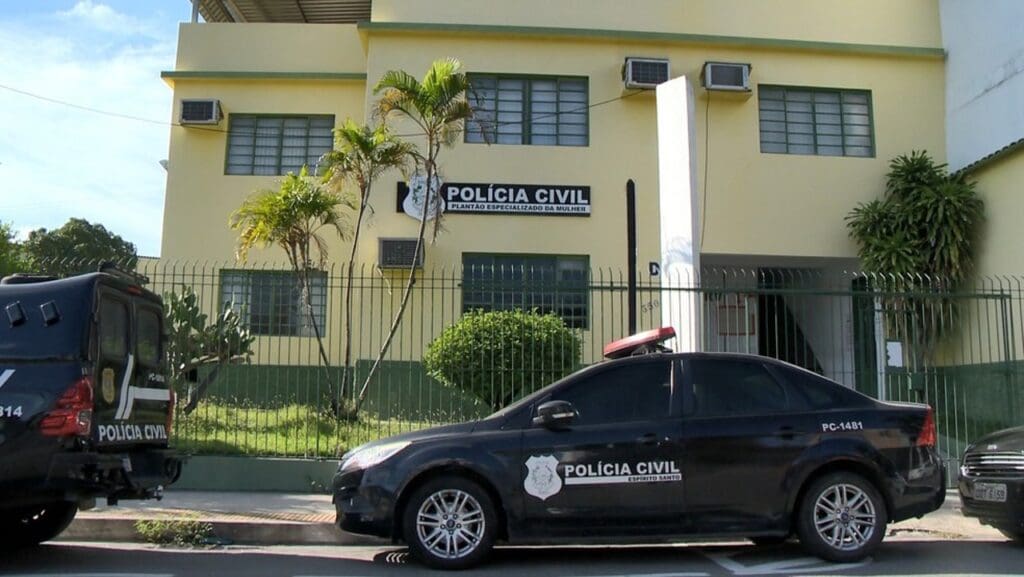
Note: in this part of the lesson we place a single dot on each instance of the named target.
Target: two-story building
(813, 99)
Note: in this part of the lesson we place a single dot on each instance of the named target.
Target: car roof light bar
(640, 344)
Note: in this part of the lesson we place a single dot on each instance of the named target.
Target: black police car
(992, 481)
(653, 447)
(85, 407)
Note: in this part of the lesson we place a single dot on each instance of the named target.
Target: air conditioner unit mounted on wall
(398, 253)
(645, 73)
(200, 111)
(726, 76)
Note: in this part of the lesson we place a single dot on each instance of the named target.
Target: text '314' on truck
(85, 405)
(653, 446)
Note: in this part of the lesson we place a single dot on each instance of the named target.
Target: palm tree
(438, 107)
(360, 155)
(292, 218)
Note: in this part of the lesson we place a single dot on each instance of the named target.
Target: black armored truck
(85, 406)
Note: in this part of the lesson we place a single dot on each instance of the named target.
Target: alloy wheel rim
(450, 524)
(844, 517)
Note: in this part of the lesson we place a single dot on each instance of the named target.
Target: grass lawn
(218, 428)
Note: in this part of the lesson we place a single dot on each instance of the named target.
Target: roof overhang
(294, 11)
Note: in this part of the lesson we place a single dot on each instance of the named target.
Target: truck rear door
(133, 401)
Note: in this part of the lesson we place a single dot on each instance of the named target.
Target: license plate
(990, 492)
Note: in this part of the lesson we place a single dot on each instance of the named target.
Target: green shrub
(183, 533)
(502, 355)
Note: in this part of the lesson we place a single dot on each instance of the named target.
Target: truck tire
(842, 518)
(450, 523)
(27, 527)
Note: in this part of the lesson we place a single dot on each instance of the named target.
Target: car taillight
(73, 412)
(928, 436)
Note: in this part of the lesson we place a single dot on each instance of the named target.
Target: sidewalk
(302, 519)
(237, 517)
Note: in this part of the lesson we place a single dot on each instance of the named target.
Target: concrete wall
(1001, 185)
(984, 77)
(904, 23)
(262, 47)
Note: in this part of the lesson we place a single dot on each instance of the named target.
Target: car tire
(1015, 534)
(841, 518)
(31, 526)
(450, 523)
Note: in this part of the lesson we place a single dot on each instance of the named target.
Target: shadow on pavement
(893, 558)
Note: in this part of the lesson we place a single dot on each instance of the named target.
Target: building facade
(836, 90)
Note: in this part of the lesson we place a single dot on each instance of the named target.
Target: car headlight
(370, 456)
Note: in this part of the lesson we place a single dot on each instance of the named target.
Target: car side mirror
(555, 415)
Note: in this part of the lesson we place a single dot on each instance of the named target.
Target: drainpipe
(631, 251)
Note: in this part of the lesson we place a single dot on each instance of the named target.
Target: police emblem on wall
(416, 196)
(542, 480)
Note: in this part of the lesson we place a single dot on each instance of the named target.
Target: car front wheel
(842, 518)
(450, 523)
(32, 525)
(1015, 534)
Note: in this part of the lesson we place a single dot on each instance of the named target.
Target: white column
(680, 232)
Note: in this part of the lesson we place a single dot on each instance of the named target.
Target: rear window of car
(148, 337)
(113, 329)
(727, 387)
(812, 391)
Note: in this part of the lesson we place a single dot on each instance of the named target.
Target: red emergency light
(640, 343)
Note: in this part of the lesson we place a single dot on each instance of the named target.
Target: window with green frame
(819, 121)
(276, 145)
(539, 110)
(547, 283)
(270, 302)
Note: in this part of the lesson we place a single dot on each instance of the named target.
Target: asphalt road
(896, 557)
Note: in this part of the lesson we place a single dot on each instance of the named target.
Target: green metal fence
(896, 338)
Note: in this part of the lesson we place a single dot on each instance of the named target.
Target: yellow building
(817, 97)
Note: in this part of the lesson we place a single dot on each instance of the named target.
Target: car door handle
(648, 439)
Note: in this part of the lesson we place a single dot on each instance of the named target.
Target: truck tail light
(72, 415)
(928, 436)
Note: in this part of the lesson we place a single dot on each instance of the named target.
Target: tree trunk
(347, 371)
(308, 301)
(408, 288)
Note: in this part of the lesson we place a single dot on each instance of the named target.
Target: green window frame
(270, 302)
(274, 145)
(816, 121)
(529, 110)
(557, 284)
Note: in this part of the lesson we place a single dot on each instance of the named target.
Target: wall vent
(398, 253)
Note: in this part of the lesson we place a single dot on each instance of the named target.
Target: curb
(121, 529)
